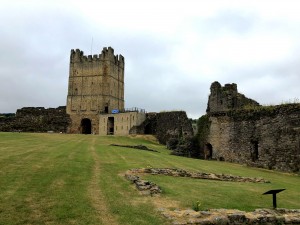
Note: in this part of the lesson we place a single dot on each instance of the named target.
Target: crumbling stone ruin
(165, 126)
(241, 131)
(227, 98)
(36, 119)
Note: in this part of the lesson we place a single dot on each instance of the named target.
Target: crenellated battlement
(96, 84)
(106, 54)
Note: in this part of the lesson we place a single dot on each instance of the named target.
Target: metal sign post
(274, 192)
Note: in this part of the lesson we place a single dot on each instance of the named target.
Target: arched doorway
(86, 126)
(208, 151)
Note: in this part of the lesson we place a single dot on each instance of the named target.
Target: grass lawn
(78, 179)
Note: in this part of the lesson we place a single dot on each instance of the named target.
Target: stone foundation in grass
(212, 216)
(232, 217)
(196, 175)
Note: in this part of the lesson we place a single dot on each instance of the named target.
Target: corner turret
(76, 55)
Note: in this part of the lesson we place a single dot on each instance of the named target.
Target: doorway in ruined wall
(110, 125)
(208, 151)
(86, 126)
(254, 151)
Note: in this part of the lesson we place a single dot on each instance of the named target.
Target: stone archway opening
(208, 151)
(86, 126)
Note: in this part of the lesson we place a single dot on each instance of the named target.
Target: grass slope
(78, 179)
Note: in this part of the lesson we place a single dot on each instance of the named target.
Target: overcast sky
(173, 50)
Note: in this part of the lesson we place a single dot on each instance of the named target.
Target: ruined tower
(96, 85)
(224, 98)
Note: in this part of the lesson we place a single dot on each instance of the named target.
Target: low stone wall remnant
(233, 216)
(196, 175)
(145, 187)
(212, 216)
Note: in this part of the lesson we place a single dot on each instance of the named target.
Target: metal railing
(133, 109)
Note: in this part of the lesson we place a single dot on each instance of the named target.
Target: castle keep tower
(96, 85)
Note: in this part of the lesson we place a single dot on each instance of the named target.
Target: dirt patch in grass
(37, 208)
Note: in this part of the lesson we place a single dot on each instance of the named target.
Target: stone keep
(96, 85)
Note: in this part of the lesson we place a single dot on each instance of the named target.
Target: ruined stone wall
(267, 137)
(37, 119)
(172, 125)
(165, 125)
(227, 98)
(96, 84)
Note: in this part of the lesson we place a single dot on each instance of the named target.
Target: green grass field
(79, 179)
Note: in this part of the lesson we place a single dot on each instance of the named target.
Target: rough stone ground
(212, 216)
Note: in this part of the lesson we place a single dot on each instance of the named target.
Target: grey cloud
(36, 44)
(239, 22)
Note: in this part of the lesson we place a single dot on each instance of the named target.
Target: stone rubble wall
(244, 132)
(37, 119)
(144, 186)
(233, 217)
(173, 125)
(196, 175)
(265, 137)
(227, 98)
(166, 125)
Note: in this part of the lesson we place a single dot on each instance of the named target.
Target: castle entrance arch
(86, 126)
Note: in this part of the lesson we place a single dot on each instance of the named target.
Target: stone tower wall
(96, 84)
